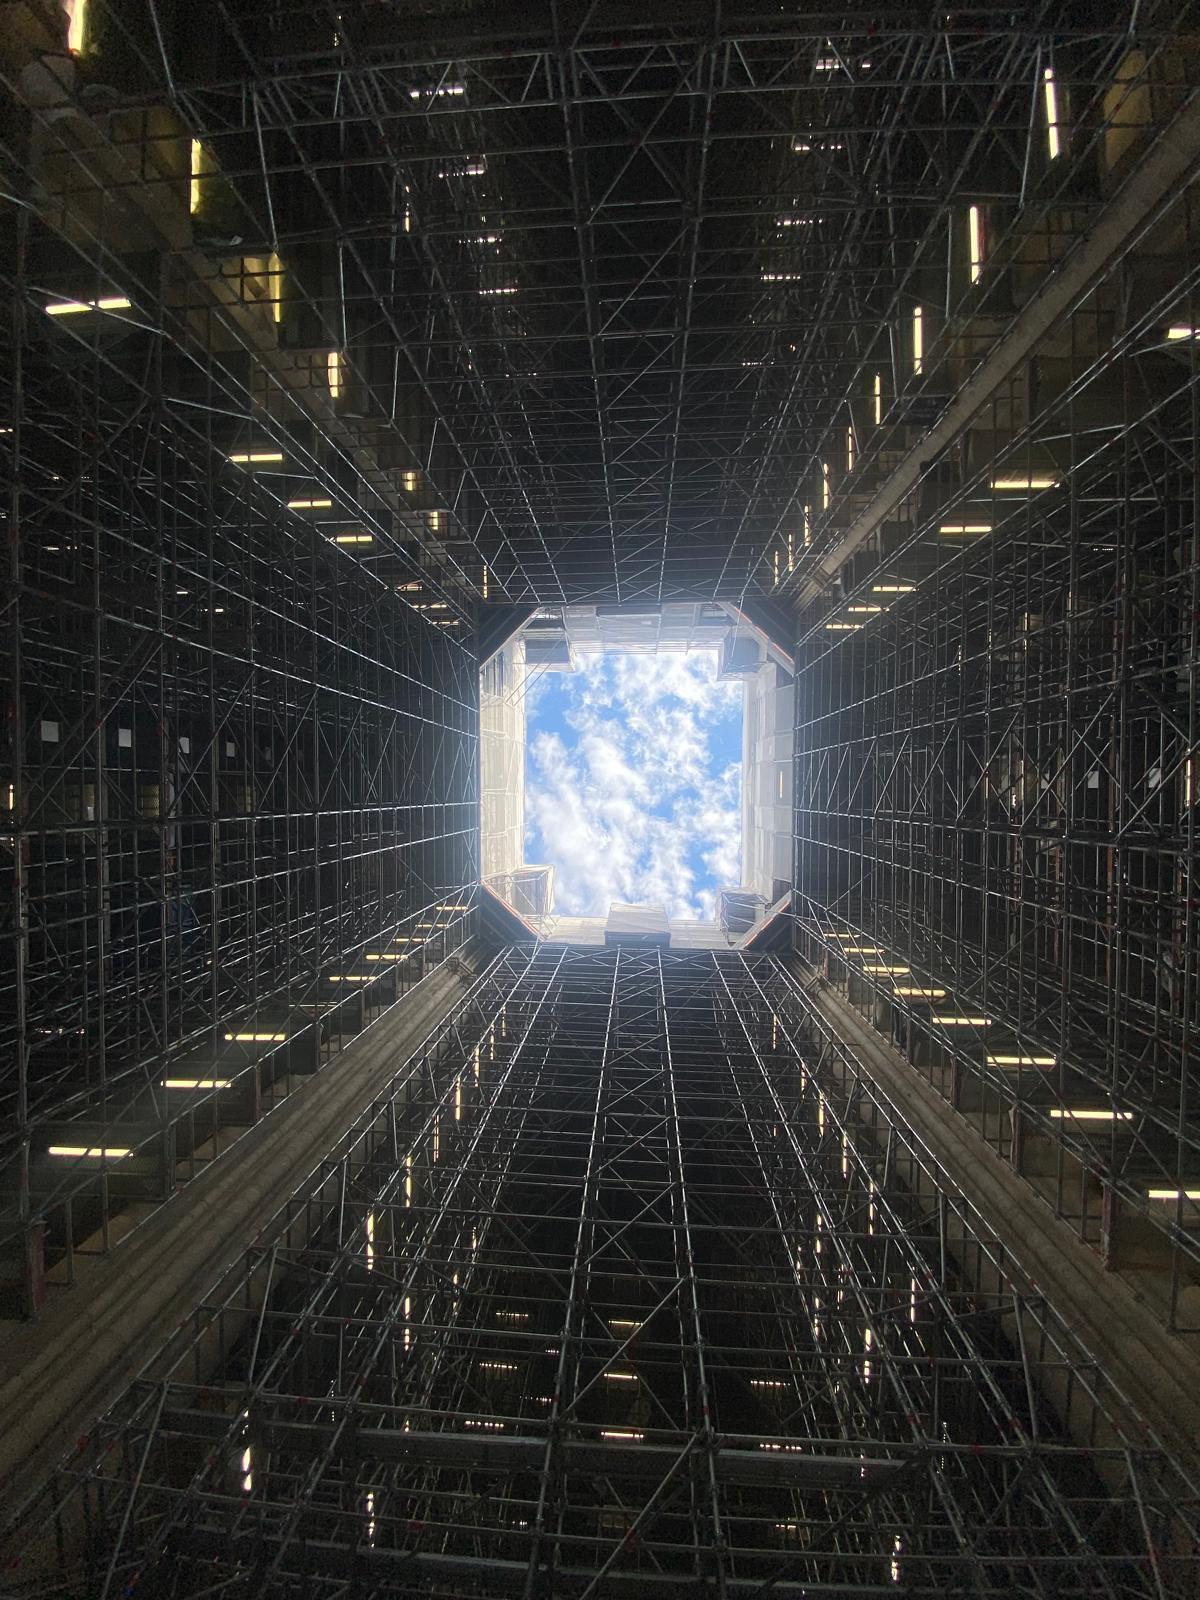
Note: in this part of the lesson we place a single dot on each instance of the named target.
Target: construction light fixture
(255, 458)
(975, 233)
(441, 92)
(629, 1435)
(624, 1322)
(842, 627)
(1024, 485)
(255, 1038)
(767, 1383)
(1173, 1194)
(387, 959)
(196, 172)
(504, 288)
(75, 308)
(887, 969)
(354, 538)
(862, 950)
(410, 481)
(309, 505)
(965, 527)
(1050, 91)
(76, 25)
(826, 491)
(877, 397)
(849, 447)
(961, 1022)
(792, 222)
(333, 373)
(621, 1377)
(1059, 1114)
(893, 588)
(349, 977)
(484, 584)
(807, 526)
(196, 1083)
(110, 1152)
(1021, 1061)
(918, 337)
(1177, 333)
(856, 609)
(916, 992)
(467, 169)
(369, 1229)
(780, 277)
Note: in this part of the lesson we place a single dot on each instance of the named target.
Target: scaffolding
(996, 703)
(240, 785)
(615, 1290)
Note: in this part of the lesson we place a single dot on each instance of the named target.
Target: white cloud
(637, 807)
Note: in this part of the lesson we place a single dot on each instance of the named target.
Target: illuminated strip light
(781, 277)
(624, 1322)
(353, 538)
(74, 308)
(877, 395)
(493, 1427)
(349, 977)
(514, 1316)
(387, 958)
(446, 906)
(506, 288)
(1058, 1114)
(410, 481)
(438, 93)
(1173, 1194)
(630, 1435)
(826, 492)
(893, 588)
(253, 457)
(887, 969)
(975, 230)
(864, 950)
(497, 1366)
(1053, 138)
(196, 1083)
(915, 992)
(469, 169)
(792, 222)
(962, 1022)
(1021, 1061)
(255, 1038)
(309, 505)
(1177, 333)
(767, 1383)
(842, 627)
(849, 447)
(369, 1229)
(852, 610)
(197, 169)
(333, 372)
(76, 25)
(111, 1152)
(804, 147)
(965, 527)
(918, 335)
(1033, 480)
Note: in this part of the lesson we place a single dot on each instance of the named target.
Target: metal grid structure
(996, 711)
(614, 1290)
(605, 281)
(240, 778)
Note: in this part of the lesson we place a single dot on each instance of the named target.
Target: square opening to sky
(633, 781)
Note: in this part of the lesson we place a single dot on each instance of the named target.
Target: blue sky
(633, 782)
